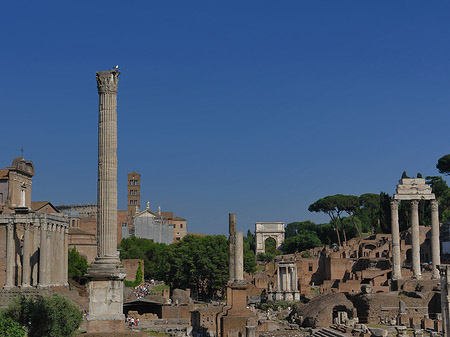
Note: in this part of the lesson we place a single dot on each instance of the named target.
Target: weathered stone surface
(319, 311)
(377, 332)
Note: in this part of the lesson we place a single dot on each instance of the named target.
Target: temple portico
(28, 246)
(414, 190)
(287, 285)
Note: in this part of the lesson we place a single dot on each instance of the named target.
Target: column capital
(10, 225)
(394, 204)
(414, 204)
(27, 226)
(44, 226)
(434, 205)
(107, 81)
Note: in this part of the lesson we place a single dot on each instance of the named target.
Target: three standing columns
(415, 235)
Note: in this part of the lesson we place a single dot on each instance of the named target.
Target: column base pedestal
(106, 306)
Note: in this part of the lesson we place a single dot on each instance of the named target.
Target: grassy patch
(159, 288)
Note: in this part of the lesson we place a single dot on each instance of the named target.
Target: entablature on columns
(35, 219)
(413, 189)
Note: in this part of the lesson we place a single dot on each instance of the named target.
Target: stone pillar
(250, 331)
(49, 261)
(232, 231)
(279, 278)
(106, 286)
(417, 274)
(396, 254)
(232, 240)
(10, 252)
(43, 254)
(59, 256)
(435, 245)
(66, 255)
(26, 270)
(34, 255)
(107, 166)
(239, 259)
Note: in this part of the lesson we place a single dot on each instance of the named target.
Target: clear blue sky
(253, 107)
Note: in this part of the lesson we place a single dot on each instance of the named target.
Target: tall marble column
(107, 166)
(106, 286)
(396, 254)
(417, 274)
(26, 270)
(10, 252)
(43, 254)
(435, 245)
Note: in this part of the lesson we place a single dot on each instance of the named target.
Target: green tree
(329, 206)
(350, 204)
(200, 263)
(443, 164)
(249, 258)
(51, 316)
(155, 256)
(10, 328)
(385, 213)
(250, 239)
(293, 228)
(302, 241)
(370, 209)
(404, 175)
(77, 266)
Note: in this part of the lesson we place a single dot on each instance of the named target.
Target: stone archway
(266, 230)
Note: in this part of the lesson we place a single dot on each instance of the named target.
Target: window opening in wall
(73, 223)
(181, 225)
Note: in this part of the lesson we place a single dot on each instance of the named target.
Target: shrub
(51, 316)
(77, 266)
(10, 328)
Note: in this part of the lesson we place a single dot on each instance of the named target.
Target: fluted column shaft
(396, 254)
(435, 245)
(43, 254)
(26, 270)
(107, 164)
(10, 252)
(415, 239)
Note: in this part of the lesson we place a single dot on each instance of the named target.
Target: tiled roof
(178, 219)
(4, 174)
(37, 205)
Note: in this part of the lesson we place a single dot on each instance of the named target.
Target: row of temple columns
(50, 242)
(287, 278)
(415, 234)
